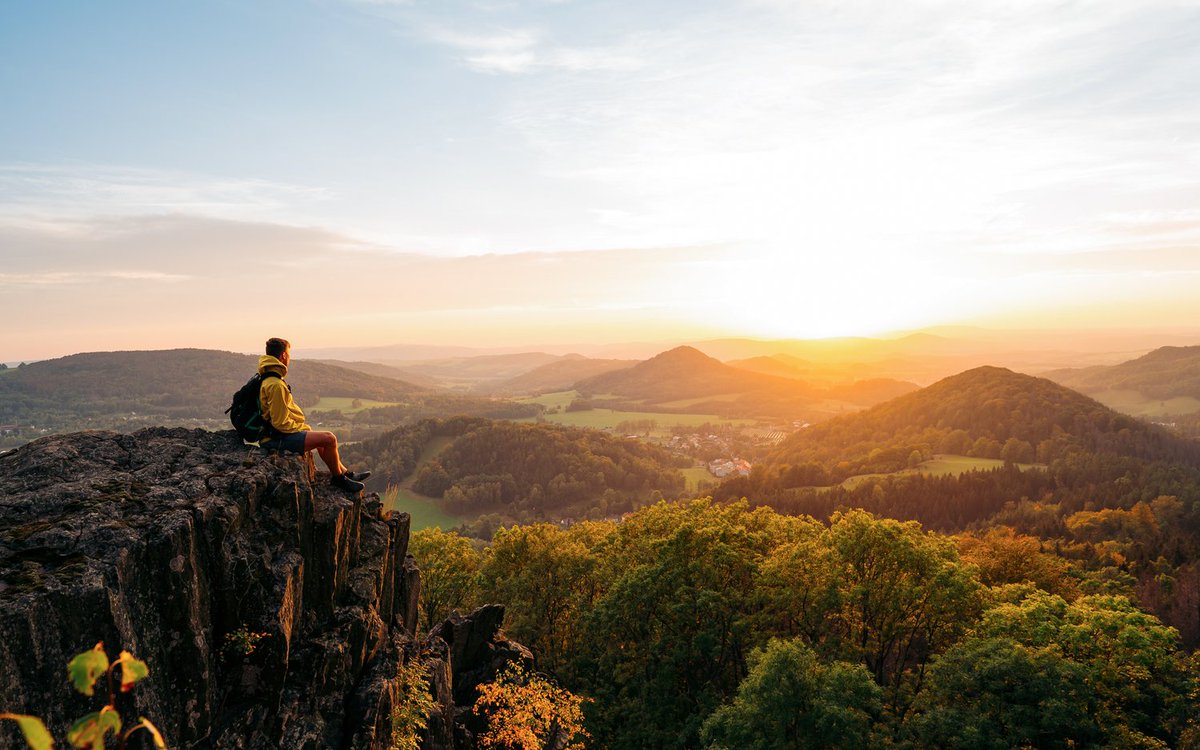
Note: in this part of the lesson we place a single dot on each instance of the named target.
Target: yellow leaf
(36, 734)
(132, 670)
(86, 668)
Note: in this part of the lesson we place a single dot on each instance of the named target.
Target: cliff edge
(180, 545)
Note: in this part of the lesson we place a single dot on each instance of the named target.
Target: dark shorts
(291, 441)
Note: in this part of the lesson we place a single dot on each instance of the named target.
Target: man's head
(279, 349)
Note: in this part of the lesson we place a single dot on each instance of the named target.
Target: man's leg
(326, 445)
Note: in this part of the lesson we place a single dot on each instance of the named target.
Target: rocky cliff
(179, 545)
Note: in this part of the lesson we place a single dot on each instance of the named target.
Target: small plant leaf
(132, 670)
(89, 731)
(86, 668)
(153, 730)
(36, 734)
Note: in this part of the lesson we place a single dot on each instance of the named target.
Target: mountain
(179, 544)
(1165, 373)
(990, 404)
(685, 379)
(171, 383)
(931, 456)
(779, 365)
(556, 376)
(683, 373)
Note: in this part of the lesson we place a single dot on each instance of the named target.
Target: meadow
(347, 405)
(609, 419)
(942, 464)
(425, 511)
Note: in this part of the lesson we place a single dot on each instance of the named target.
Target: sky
(506, 172)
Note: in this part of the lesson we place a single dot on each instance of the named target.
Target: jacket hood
(267, 362)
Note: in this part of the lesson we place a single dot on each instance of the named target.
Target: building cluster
(724, 467)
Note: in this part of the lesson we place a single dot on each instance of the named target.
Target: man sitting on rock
(286, 418)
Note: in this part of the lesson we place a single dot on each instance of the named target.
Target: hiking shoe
(358, 476)
(344, 482)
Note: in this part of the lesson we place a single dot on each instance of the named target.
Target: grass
(425, 511)
(1137, 405)
(608, 419)
(686, 402)
(942, 464)
(695, 476)
(346, 405)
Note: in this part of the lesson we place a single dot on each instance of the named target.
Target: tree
(994, 693)
(449, 572)
(529, 712)
(792, 701)
(904, 596)
(1128, 657)
(1003, 556)
(547, 576)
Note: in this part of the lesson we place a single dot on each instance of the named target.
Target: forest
(1051, 602)
(759, 630)
(527, 471)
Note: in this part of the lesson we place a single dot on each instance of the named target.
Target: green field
(346, 405)
(695, 475)
(941, 465)
(608, 419)
(550, 400)
(425, 511)
(1137, 405)
(685, 403)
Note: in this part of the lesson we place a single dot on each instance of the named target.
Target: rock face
(171, 543)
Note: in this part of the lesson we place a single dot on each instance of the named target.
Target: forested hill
(987, 412)
(175, 382)
(685, 378)
(525, 471)
(1164, 373)
(683, 373)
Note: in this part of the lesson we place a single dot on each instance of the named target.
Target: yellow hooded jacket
(277, 405)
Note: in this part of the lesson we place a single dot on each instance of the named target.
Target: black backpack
(246, 412)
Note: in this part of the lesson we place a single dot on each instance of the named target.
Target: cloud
(521, 51)
(29, 191)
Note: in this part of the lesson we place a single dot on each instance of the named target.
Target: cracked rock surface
(167, 543)
(183, 546)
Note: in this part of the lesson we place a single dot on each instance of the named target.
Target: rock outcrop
(184, 546)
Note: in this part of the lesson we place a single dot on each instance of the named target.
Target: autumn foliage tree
(526, 711)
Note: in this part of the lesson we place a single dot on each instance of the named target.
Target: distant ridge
(1164, 373)
(557, 376)
(171, 382)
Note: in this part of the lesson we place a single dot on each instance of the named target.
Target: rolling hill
(176, 383)
(978, 412)
(477, 372)
(1086, 456)
(684, 373)
(556, 376)
(1167, 373)
(685, 379)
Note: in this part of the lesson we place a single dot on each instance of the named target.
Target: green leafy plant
(414, 704)
(242, 642)
(92, 730)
